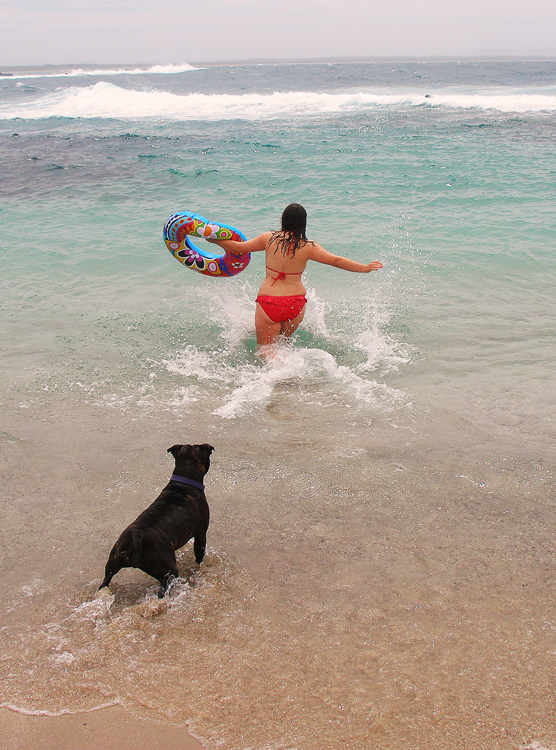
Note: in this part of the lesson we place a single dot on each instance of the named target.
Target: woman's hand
(229, 246)
(374, 265)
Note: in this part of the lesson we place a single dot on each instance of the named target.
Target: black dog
(178, 514)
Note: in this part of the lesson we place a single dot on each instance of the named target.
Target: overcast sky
(33, 32)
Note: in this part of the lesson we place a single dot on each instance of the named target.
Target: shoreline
(111, 728)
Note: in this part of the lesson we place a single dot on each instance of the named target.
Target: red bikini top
(282, 274)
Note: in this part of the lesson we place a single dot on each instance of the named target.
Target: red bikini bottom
(282, 309)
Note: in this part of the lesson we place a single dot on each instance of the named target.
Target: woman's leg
(268, 332)
(290, 326)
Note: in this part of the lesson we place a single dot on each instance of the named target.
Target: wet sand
(107, 728)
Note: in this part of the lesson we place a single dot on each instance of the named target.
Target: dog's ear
(175, 449)
(207, 448)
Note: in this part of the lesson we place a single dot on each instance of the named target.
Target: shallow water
(381, 544)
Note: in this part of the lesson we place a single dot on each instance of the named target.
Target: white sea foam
(232, 308)
(80, 72)
(200, 365)
(256, 386)
(315, 318)
(106, 100)
(36, 587)
(250, 386)
(65, 657)
(98, 609)
(382, 352)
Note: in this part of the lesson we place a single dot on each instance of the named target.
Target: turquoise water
(381, 493)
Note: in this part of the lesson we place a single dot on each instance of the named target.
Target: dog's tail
(126, 553)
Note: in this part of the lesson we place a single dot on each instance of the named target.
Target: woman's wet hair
(292, 234)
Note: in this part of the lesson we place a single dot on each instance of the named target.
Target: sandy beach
(108, 728)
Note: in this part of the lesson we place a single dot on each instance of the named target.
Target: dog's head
(192, 461)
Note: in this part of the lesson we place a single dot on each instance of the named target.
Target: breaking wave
(107, 100)
(131, 71)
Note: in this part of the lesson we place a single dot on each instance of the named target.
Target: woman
(281, 300)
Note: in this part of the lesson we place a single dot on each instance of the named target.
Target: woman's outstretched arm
(320, 255)
(249, 246)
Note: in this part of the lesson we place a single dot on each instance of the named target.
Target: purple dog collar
(185, 480)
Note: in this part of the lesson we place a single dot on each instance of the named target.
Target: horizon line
(478, 56)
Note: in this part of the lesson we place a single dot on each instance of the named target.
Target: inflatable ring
(179, 227)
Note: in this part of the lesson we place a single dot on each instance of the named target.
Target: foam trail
(67, 712)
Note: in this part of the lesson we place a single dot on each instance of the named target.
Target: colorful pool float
(181, 226)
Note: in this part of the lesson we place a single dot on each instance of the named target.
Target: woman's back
(285, 264)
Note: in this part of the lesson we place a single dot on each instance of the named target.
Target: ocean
(381, 554)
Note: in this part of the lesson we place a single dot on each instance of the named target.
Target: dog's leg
(166, 583)
(199, 547)
(106, 581)
(164, 570)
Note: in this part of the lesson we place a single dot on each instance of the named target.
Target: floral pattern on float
(181, 226)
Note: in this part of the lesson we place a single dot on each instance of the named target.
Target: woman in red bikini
(281, 300)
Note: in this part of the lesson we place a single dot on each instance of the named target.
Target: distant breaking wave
(80, 72)
(108, 101)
